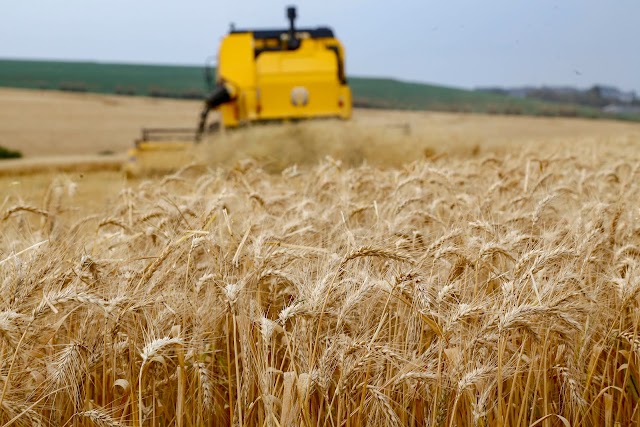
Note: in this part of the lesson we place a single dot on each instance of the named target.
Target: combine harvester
(262, 76)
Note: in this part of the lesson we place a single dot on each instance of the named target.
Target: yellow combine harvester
(262, 76)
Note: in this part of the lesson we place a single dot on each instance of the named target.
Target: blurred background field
(53, 123)
(187, 82)
(85, 137)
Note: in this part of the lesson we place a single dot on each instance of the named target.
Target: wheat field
(469, 286)
(497, 291)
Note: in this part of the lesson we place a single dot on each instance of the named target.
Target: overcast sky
(464, 43)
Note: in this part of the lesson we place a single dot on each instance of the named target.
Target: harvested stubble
(488, 292)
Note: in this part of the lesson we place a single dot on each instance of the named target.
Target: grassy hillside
(188, 82)
(419, 96)
(170, 80)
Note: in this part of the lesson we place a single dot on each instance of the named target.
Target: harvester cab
(267, 75)
(283, 74)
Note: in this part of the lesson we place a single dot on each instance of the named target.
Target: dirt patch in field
(46, 123)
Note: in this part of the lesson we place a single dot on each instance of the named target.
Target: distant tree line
(597, 96)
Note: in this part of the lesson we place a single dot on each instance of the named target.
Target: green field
(419, 96)
(159, 80)
(179, 81)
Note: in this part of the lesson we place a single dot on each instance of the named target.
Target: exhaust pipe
(293, 43)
